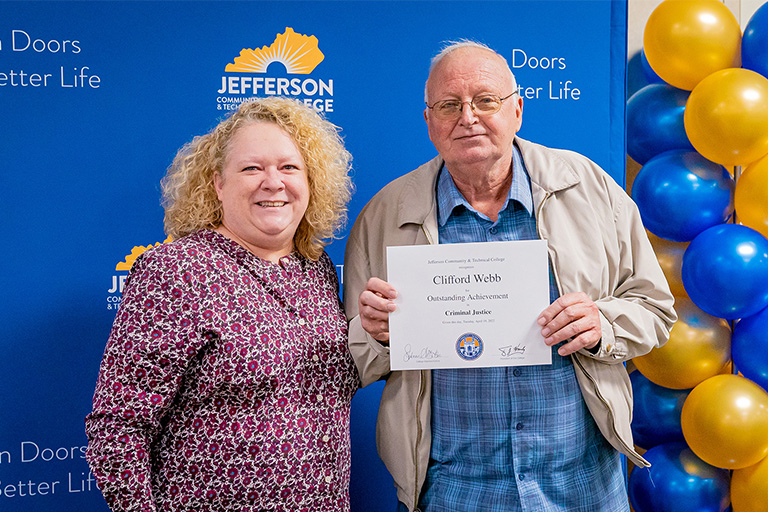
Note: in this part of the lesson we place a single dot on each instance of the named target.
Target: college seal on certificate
(469, 346)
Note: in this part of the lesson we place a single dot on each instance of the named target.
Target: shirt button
(319, 397)
(302, 321)
(519, 426)
(521, 477)
(315, 358)
(492, 231)
(328, 479)
(516, 372)
(325, 438)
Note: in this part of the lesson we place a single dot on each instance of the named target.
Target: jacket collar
(549, 173)
(419, 185)
(548, 169)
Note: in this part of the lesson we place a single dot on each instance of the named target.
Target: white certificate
(468, 305)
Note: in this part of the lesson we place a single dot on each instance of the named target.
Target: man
(533, 438)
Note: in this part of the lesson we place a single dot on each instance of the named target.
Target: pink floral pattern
(225, 385)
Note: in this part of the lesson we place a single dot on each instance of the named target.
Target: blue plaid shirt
(516, 438)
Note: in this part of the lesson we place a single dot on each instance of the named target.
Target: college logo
(258, 76)
(118, 280)
(469, 346)
(298, 53)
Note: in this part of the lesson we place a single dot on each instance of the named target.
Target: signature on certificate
(510, 350)
(425, 353)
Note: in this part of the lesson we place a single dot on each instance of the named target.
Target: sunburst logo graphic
(118, 280)
(137, 251)
(299, 54)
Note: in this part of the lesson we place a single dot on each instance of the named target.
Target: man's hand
(374, 306)
(573, 315)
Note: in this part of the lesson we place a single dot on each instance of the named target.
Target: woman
(226, 381)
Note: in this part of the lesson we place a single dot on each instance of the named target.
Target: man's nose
(468, 115)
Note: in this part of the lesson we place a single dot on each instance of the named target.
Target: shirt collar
(449, 197)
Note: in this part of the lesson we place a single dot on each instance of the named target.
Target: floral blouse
(225, 385)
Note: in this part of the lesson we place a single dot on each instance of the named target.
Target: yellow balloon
(751, 198)
(670, 256)
(725, 421)
(686, 40)
(749, 488)
(699, 347)
(726, 117)
(633, 168)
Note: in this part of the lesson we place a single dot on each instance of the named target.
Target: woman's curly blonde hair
(189, 196)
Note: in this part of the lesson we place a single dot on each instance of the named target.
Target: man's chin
(474, 156)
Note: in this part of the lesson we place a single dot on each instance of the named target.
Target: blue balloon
(749, 347)
(754, 42)
(655, 122)
(648, 71)
(678, 481)
(681, 193)
(725, 271)
(636, 78)
(656, 416)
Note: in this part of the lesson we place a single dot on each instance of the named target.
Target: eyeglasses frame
(472, 105)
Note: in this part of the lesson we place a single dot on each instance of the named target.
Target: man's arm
(637, 315)
(370, 355)
(626, 308)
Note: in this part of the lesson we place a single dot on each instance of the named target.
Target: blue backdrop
(95, 99)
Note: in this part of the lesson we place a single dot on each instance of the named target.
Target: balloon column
(701, 400)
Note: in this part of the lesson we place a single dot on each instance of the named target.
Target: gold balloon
(670, 256)
(725, 421)
(699, 347)
(686, 40)
(633, 168)
(751, 197)
(726, 117)
(749, 488)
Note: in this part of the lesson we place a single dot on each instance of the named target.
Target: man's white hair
(451, 46)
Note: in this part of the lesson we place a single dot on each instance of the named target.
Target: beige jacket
(597, 245)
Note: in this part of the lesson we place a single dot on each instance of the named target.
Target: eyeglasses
(481, 105)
